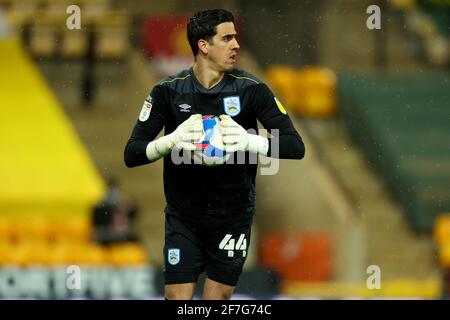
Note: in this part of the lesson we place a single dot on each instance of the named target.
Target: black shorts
(190, 250)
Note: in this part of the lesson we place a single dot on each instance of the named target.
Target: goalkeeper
(209, 209)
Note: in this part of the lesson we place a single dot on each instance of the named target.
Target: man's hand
(184, 137)
(235, 138)
(188, 133)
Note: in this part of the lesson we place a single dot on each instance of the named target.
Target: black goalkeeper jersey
(197, 191)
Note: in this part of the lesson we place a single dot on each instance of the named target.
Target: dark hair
(202, 25)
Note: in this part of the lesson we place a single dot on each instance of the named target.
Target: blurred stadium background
(373, 107)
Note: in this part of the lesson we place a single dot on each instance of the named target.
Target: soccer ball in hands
(211, 151)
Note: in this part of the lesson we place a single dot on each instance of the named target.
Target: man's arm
(151, 121)
(272, 115)
(286, 142)
(141, 148)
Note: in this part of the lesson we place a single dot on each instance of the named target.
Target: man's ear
(203, 46)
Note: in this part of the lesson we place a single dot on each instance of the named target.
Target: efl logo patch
(232, 105)
(146, 109)
(173, 256)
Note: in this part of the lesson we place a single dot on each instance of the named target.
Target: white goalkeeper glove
(235, 138)
(184, 137)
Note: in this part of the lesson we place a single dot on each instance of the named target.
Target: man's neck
(207, 76)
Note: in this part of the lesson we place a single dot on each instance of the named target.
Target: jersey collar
(214, 90)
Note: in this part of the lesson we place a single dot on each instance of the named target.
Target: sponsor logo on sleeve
(146, 109)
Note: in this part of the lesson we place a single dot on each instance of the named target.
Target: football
(211, 151)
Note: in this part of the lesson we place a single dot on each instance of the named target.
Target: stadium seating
(444, 255)
(441, 236)
(19, 13)
(72, 228)
(48, 189)
(309, 91)
(128, 254)
(282, 81)
(298, 257)
(31, 228)
(111, 35)
(43, 26)
(39, 240)
(316, 92)
(441, 231)
(401, 123)
(428, 20)
(74, 44)
(5, 227)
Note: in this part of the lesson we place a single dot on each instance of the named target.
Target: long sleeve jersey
(227, 190)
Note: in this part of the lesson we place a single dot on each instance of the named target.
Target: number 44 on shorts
(228, 243)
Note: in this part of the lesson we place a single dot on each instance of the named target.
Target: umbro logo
(185, 107)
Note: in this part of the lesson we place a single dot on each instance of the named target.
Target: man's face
(222, 50)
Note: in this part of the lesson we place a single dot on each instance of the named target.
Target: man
(209, 208)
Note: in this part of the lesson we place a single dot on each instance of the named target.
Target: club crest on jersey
(232, 105)
(146, 109)
(173, 256)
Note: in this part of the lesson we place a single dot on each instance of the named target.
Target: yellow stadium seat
(68, 252)
(44, 35)
(310, 91)
(441, 230)
(317, 88)
(25, 227)
(6, 252)
(94, 255)
(128, 254)
(441, 236)
(72, 228)
(40, 253)
(93, 10)
(444, 255)
(27, 252)
(112, 35)
(5, 227)
(282, 81)
(57, 8)
(21, 12)
(78, 228)
(35, 227)
(17, 227)
(402, 4)
(74, 44)
(61, 254)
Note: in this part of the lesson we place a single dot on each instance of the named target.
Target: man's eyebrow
(229, 35)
